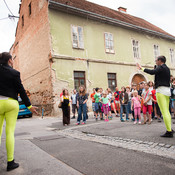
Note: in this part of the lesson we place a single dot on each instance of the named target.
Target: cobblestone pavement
(151, 147)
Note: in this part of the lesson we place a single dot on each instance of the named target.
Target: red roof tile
(105, 11)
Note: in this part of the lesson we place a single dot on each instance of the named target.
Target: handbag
(60, 105)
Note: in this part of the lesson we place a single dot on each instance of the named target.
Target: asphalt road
(41, 149)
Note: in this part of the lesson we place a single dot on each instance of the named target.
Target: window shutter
(80, 34)
(74, 37)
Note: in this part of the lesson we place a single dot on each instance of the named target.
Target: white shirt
(3, 97)
(109, 96)
(163, 90)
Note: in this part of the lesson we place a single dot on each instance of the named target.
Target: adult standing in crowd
(162, 85)
(74, 103)
(10, 87)
(141, 88)
(82, 98)
(65, 99)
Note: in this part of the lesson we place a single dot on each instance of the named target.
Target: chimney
(122, 9)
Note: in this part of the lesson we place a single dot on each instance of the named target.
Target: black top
(125, 96)
(10, 84)
(162, 75)
(81, 98)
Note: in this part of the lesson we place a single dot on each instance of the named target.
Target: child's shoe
(77, 123)
(122, 120)
(107, 120)
(96, 119)
(135, 122)
(83, 123)
(140, 122)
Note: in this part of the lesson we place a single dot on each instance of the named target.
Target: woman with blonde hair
(82, 98)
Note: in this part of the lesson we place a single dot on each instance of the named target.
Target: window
(135, 45)
(112, 83)
(156, 51)
(77, 37)
(79, 79)
(22, 20)
(109, 43)
(30, 9)
(172, 58)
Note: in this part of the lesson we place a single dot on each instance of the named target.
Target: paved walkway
(46, 147)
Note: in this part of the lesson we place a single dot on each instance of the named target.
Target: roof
(123, 19)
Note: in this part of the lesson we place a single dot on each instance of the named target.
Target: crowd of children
(129, 101)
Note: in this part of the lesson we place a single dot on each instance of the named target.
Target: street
(46, 147)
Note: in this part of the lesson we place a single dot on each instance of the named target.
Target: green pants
(164, 102)
(9, 111)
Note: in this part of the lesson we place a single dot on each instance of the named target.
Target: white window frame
(172, 56)
(110, 47)
(80, 43)
(156, 51)
(136, 49)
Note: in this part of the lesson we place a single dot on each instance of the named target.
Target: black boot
(168, 134)
(73, 117)
(12, 165)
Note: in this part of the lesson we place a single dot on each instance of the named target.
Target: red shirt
(154, 94)
(117, 97)
(61, 94)
(92, 97)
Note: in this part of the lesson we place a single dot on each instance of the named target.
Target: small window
(79, 79)
(77, 37)
(109, 43)
(30, 9)
(156, 51)
(112, 83)
(172, 58)
(22, 20)
(135, 45)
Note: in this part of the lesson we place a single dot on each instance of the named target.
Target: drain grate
(51, 137)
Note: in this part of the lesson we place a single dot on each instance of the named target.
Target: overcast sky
(160, 13)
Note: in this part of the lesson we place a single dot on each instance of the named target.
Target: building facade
(65, 44)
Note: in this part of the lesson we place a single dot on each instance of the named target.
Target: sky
(158, 12)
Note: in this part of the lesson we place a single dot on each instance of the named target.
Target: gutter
(56, 5)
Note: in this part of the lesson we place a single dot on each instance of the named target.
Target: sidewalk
(46, 147)
(32, 159)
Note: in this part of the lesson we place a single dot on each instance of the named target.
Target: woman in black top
(10, 87)
(162, 85)
(82, 98)
(65, 99)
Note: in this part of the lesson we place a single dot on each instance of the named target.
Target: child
(109, 103)
(74, 103)
(105, 101)
(156, 106)
(97, 98)
(93, 101)
(147, 103)
(123, 97)
(136, 106)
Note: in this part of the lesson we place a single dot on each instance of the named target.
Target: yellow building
(65, 44)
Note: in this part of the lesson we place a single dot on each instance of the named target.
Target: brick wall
(31, 50)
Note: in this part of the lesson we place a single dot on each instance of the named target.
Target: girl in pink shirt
(136, 105)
